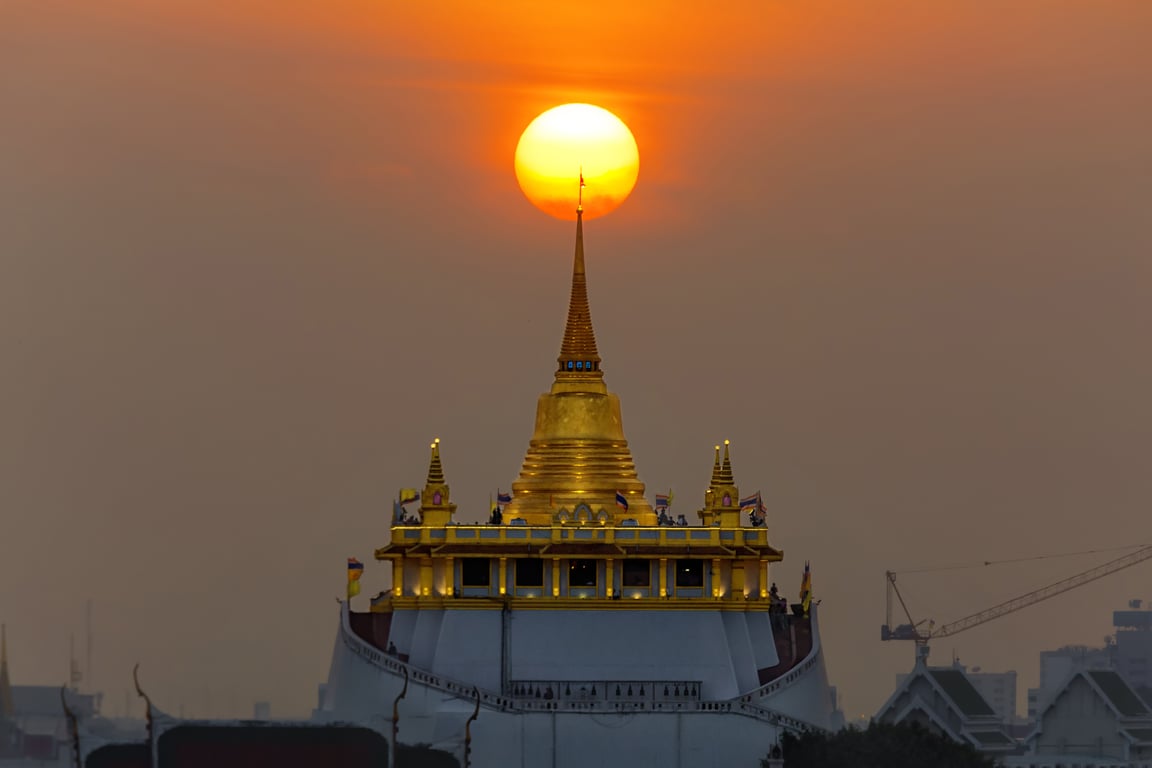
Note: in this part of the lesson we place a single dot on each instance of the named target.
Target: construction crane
(913, 629)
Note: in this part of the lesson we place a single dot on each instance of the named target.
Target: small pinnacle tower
(435, 506)
(722, 499)
(578, 457)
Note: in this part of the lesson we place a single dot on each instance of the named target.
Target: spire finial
(7, 709)
(435, 468)
(716, 470)
(578, 356)
(726, 468)
(580, 192)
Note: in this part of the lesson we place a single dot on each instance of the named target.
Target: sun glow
(572, 140)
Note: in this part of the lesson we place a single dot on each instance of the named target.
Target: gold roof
(578, 458)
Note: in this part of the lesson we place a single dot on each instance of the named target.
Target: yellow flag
(355, 571)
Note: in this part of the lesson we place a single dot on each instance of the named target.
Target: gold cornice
(521, 603)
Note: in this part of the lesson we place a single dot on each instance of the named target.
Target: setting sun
(571, 139)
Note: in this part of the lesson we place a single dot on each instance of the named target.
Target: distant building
(262, 710)
(836, 719)
(34, 729)
(944, 700)
(997, 688)
(1133, 647)
(1057, 667)
(1094, 719)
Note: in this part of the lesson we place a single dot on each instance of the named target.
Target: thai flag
(503, 498)
(355, 571)
(750, 502)
(662, 501)
(621, 501)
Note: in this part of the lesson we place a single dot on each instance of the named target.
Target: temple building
(583, 619)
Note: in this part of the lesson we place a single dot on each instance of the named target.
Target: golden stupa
(578, 460)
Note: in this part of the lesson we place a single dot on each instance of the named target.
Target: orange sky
(896, 251)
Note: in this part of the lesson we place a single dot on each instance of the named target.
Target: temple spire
(578, 355)
(715, 470)
(578, 466)
(435, 468)
(436, 507)
(725, 476)
(7, 710)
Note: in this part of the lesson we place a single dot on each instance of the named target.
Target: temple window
(689, 573)
(571, 365)
(581, 573)
(529, 572)
(475, 572)
(636, 573)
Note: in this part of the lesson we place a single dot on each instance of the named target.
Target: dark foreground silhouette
(879, 746)
(244, 746)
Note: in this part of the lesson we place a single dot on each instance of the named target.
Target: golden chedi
(578, 460)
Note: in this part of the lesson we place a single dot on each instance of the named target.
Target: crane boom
(1044, 593)
(912, 631)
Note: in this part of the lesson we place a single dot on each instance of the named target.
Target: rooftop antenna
(88, 645)
(73, 667)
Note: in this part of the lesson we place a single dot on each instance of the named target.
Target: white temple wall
(402, 629)
(425, 638)
(761, 639)
(614, 645)
(740, 650)
(468, 649)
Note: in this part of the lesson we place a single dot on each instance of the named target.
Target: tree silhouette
(880, 745)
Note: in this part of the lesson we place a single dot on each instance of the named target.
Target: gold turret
(722, 499)
(7, 709)
(436, 508)
(578, 458)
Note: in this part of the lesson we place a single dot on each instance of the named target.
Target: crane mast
(913, 631)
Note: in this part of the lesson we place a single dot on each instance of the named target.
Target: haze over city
(254, 256)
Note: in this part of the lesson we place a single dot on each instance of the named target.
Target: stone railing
(630, 536)
(607, 691)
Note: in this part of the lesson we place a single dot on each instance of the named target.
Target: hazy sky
(254, 255)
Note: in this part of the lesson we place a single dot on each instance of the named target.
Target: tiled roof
(963, 694)
(1121, 696)
(1140, 734)
(991, 737)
